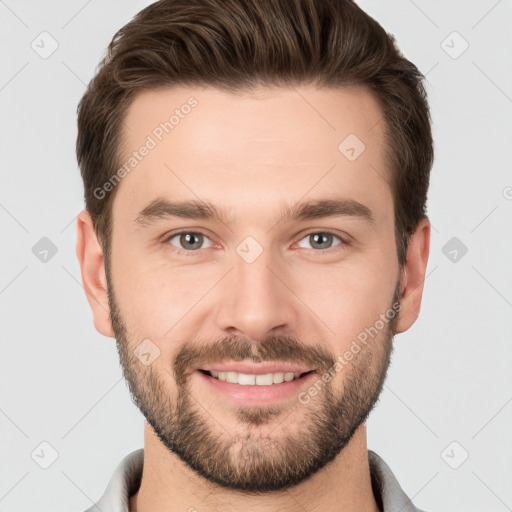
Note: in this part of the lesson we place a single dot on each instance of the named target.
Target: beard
(246, 459)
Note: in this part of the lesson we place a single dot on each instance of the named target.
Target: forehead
(307, 114)
(240, 149)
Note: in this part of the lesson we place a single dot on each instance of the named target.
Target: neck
(169, 484)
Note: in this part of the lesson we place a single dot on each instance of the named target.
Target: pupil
(188, 238)
(322, 239)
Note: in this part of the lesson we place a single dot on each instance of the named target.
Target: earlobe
(92, 266)
(414, 275)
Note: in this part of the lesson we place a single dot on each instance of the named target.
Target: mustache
(284, 349)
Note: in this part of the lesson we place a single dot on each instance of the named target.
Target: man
(255, 234)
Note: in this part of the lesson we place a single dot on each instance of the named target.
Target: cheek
(350, 298)
(149, 299)
(151, 308)
(162, 303)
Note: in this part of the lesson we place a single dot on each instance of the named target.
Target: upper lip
(256, 368)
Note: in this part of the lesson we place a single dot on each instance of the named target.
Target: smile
(247, 379)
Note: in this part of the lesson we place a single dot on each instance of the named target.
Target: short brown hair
(237, 45)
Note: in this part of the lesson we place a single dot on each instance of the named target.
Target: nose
(257, 299)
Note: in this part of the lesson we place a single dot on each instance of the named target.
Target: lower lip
(257, 395)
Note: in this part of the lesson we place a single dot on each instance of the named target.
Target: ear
(413, 276)
(92, 265)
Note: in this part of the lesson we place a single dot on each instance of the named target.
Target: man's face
(257, 286)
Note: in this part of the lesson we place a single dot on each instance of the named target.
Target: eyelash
(343, 242)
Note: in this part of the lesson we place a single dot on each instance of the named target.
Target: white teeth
(246, 379)
(278, 378)
(264, 380)
(243, 379)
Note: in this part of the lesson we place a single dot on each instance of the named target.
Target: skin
(249, 154)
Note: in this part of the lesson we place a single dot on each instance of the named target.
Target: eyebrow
(161, 208)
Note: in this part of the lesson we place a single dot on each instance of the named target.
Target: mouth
(251, 379)
(257, 385)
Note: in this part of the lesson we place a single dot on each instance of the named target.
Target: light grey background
(450, 377)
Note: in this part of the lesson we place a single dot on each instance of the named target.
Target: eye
(321, 240)
(189, 240)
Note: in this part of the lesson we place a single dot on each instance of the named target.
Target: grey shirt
(126, 479)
